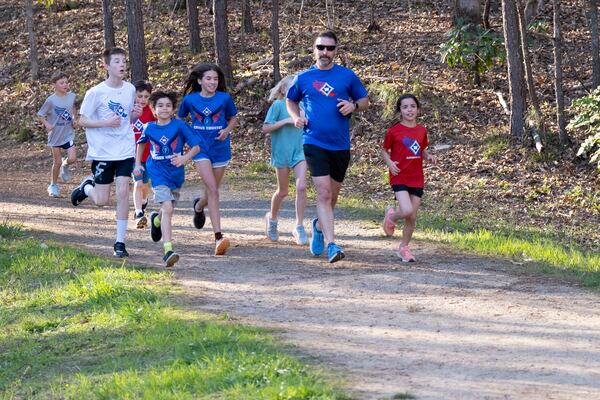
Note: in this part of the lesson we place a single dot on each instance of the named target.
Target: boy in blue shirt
(165, 166)
(330, 94)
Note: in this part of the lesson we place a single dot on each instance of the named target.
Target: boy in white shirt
(106, 114)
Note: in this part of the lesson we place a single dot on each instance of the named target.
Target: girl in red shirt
(404, 149)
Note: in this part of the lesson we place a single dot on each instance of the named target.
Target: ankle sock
(218, 236)
(168, 247)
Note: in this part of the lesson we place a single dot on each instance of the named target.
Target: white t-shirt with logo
(102, 102)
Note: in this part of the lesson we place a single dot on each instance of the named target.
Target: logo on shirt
(207, 117)
(139, 126)
(412, 145)
(164, 140)
(117, 108)
(324, 88)
(63, 113)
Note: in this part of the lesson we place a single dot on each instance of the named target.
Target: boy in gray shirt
(58, 116)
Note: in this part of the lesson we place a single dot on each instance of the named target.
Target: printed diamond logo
(138, 125)
(206, 111)
(415, 148)
(66, 115)
(164, 140)
(326, 89)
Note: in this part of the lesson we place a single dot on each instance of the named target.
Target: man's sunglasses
(322, 47)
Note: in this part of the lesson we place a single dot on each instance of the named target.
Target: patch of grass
(76, 326)
(10, 230)
(494, 145)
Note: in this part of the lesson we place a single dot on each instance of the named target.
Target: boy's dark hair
(192, 85)
(108, 53)
(159, 94)
(58, 75)
(404, 97)
(142, 85)
(327, 34)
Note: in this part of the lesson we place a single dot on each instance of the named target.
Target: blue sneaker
(317, 241)
(334, 253)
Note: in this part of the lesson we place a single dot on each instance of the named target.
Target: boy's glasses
(322, 47)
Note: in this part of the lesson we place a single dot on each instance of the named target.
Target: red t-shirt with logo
(146, 117)
(406, 146)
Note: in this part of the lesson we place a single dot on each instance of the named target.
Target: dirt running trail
(452, 326)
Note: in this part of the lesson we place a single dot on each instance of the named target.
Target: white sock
(138, 210)
(87, 189)
(121, 230)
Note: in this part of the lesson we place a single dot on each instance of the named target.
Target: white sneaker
(53, 190)
(65, 173)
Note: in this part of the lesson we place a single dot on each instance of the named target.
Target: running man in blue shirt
(330, 94)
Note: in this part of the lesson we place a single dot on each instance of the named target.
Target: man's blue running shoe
(334, 253)
(317, 241)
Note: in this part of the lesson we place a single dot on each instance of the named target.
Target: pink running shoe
(388, 226)
(405, 254)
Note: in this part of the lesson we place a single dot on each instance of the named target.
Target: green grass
(76, 326)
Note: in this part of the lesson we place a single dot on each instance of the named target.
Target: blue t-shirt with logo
(165, 142)
(320, 90)
(209, 114)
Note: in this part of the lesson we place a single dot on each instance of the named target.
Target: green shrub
(587, 118)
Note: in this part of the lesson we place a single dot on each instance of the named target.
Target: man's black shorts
(323, 162)
(105, 171)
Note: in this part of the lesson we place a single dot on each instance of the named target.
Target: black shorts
(411, 190)
(65, 146)
(323, 162)
(105, 171)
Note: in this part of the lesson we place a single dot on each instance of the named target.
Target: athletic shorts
(164, 193)
(65, 146)
(323, 162)
(105, 171)
(218, 153)
(411, 190)
(144, 177)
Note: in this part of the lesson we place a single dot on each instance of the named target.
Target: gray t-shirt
(58, 111)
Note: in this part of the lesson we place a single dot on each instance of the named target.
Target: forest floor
(451, 326)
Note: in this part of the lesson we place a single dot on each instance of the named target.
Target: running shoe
(388, 226)
(155, 232)
(144, 206)
(317, 241)
(140, 220)
(53, 190)
(170, 258)
(271, 228)
(199, 217)
(334, 253)
(78, 194)
(300, 235)
(405, 254)
(221, 246)
(65, 172)
(120, 250)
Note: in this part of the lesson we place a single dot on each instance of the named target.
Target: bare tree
(107, 24)
(247, 24)
(467, 11)
(485, 18)
(192, 13)
(560, 97)
(275, 39)
(135, 40)
(222, 38)
(532, 9)
(592, 12)
(515, 67)
(330, 4)
(33, 54)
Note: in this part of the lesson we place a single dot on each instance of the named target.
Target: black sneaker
(170, 258)
(199, 217)
(78, 194)
(120, 250)
(155, 233)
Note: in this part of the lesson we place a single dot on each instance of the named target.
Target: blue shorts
(65, 146)
(218, 153)
(144, 177)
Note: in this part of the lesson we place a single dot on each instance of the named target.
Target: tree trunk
(247, 24)
(515, 67)
(107, 23)
(222, 38)
(560, 97)
(535, 104)
(135, 40)
(594, 44)
(485, 19)
(275, 40)
(330, 4)
(192, 12)
(33, 54)
(467, 11)
(532, 9)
